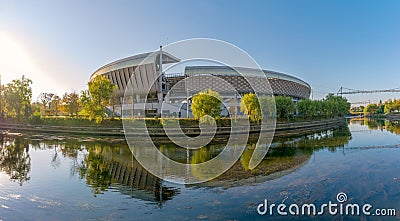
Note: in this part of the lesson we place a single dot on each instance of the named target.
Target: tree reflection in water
(380, 124)
(15, 160)
(96, 170)
(331, 139)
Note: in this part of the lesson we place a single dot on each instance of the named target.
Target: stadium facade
(172, 91)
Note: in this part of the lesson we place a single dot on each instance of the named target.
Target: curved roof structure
(134, 61)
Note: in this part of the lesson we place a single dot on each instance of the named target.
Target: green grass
(74, 122)
(117, 122)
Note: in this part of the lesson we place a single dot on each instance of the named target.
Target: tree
(70, 103)
(96, 98)
(73, 105)
(250, 106)
(54, 105)
(233, 109)
(2, 102)
(267, 105)
(370, 109)
(338, 105)
(331, 106)
(396, 105)
(91, 109)
(18, 95)
(381, 108)
(284, 107)
(206, 103)
(45, 99)
(115, 99)
(388, 106)
(392, 106)
(307, 108)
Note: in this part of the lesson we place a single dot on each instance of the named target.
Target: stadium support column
(160, 82)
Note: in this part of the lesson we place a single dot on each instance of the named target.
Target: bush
(36, 118)
(331, 106)
(285, 107)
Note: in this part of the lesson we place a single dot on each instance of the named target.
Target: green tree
(396, 105)
(96, 98)
(285, 107)
(370, 109)
(250, 106)
(91, 109)
(388, 106)
(267, 104)
(206, 103)
(338, 105)
(306, 108)
(18, 95)
(327, 108)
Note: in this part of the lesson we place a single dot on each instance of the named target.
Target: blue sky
(329, 44)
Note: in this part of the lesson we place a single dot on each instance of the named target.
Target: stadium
(170, 93)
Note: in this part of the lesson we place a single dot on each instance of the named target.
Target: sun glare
(15, 61)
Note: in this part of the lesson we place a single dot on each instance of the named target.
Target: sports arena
(152, 89)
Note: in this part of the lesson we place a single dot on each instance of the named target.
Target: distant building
(150, 91)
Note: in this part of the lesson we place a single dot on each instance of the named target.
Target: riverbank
(393, 117)
(282, 129)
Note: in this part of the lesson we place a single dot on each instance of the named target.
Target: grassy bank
(117, 122)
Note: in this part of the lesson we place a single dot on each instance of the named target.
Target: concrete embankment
(281, 130)
(393, 117)
(307, 127)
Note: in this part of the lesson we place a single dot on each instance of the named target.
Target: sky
(329, 44)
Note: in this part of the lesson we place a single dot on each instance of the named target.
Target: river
(59, 177)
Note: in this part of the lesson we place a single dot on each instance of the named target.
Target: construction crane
(343, 90)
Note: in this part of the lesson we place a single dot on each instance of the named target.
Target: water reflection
(102, 165)
(14, 159)
(91, 178)
(331, 139)
(378, 124)
(284, 157)
(110, 165)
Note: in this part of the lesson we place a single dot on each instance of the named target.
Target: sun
(15, 60)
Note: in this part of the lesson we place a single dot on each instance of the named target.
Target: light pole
(160, 83)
